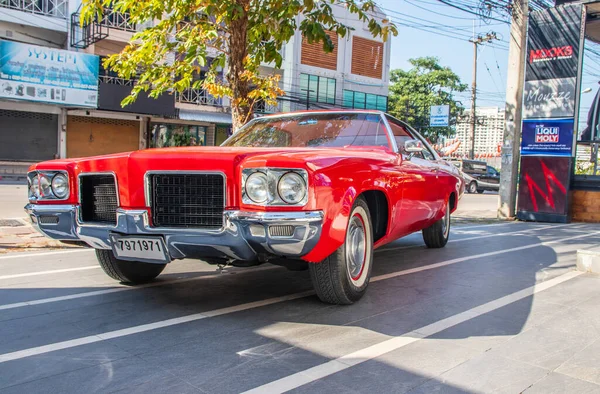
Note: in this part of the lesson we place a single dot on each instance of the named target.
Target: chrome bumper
(244, 236)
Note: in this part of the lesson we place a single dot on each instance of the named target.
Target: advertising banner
(543, 188)
(547, 137)
(34, 73)
(551, 98)
(553, 45)
(439, 116)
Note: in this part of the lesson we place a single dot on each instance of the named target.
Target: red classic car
(312, 190)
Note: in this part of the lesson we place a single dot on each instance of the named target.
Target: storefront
(33, 95)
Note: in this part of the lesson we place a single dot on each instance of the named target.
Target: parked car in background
(309, 190)
(478, 175)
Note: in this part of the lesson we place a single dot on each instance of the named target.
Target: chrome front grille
(98, 198)
(188, 200)
(281, 231)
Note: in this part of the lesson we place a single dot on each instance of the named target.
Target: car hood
(130, 167)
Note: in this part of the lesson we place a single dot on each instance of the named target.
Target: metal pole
(513, 115)
(473, 101)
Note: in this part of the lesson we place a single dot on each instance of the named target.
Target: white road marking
(120, 289)
(238, 308)
(7, 257)
(369, 353)
(478, 237)
(89, 267)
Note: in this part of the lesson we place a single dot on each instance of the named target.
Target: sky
(431, 28)
(430, 36)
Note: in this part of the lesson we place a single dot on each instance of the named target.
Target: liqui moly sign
(546, 135)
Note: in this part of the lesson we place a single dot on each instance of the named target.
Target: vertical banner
(550, 101)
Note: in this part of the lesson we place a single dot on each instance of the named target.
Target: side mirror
(413, 146)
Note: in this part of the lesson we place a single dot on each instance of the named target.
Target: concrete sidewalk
(17, 235)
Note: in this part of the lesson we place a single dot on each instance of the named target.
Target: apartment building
(53, 117)
(488, 132)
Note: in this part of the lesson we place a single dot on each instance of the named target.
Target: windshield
(313, 130)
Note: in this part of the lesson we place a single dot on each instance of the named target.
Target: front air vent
(99, 201)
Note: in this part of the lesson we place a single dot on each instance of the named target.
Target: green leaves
(414, 91)
(187, 36)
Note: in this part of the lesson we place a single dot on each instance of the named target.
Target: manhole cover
(10, 223)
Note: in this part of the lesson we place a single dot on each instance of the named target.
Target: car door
(416, 176)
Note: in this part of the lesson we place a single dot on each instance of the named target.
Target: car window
(313, 130)
(402, 133)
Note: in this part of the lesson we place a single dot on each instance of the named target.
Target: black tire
(332, 277)
(472, 188)
(480, 191)
(131, 272)
(436, 235)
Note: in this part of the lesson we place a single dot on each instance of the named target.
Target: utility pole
(513, 114)
(476, 41)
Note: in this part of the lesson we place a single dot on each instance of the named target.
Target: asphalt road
(500, 309)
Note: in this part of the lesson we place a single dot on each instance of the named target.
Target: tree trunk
(238, 50)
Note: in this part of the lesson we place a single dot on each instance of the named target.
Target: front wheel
(131, 272)
(343, 277)
(436, 235)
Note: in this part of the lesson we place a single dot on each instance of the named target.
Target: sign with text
(551, 98)
(439, 116)
(547, 137)
(553, 42)
(34, 73)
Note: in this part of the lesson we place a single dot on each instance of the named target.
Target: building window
(367, 57)
(314, 55)
(163, 135)
(362, 100)
(318, 89)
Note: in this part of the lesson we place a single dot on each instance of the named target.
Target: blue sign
(439, 116)
(547, 137)
(34, 73)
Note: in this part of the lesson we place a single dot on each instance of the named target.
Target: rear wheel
(132, 272)
(472, 187)
(343, 277)
(436, 235)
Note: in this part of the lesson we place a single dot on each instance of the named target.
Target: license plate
(151, 249)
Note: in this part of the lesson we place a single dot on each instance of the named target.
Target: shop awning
(204, 116)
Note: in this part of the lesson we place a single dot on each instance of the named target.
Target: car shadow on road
(249, 347)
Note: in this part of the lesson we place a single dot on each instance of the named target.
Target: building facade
(59, 122)
(488, 133)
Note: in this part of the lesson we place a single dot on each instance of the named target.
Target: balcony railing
(55, 8)
(117, 20)
(116, 80)
(198, 97)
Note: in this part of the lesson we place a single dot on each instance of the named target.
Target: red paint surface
(416, 190)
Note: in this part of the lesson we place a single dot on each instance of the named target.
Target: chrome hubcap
(446, 222)
(356, 247)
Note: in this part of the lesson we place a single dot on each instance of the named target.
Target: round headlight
(34, 187)
(257, 187)
(292, 188)
(60, 185)
(45, 186)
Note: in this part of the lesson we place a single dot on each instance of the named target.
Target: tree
(427, 83)
(237, 34)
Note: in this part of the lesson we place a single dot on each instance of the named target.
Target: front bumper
(245, 236)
